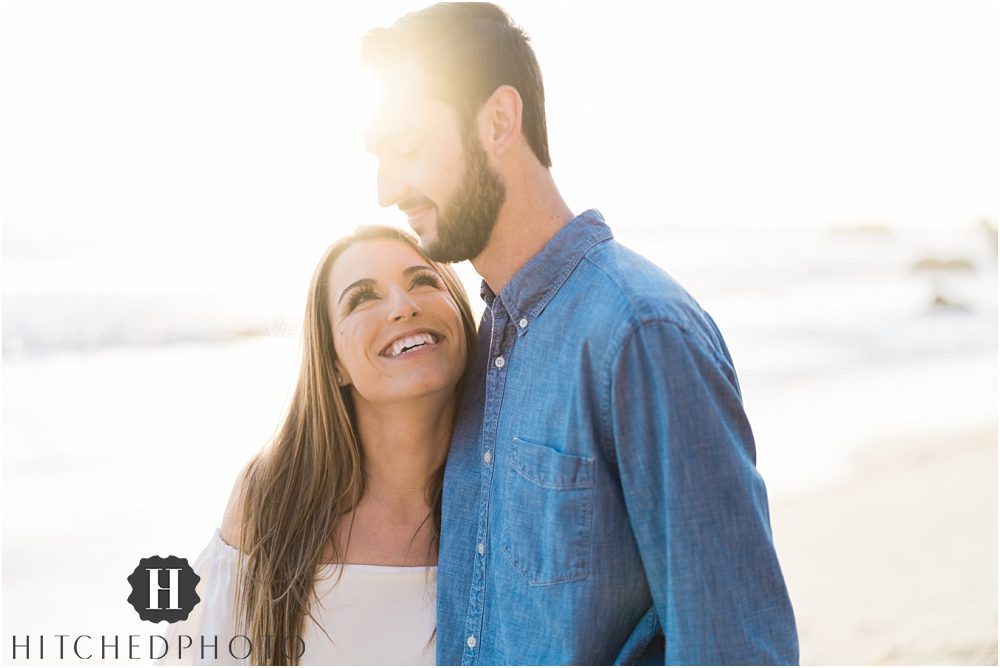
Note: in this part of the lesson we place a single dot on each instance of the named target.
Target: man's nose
(390, 186)
(401, 305)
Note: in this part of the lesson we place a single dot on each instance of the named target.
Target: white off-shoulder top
(374, 615)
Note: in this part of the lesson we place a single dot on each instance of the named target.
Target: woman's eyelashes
(360, 295)
(426, 278)
(367, 292)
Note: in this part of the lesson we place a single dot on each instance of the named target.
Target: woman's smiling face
(397, 331)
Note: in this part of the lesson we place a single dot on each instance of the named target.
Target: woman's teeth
(404, 344)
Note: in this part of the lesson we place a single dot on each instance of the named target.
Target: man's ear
(502, 119)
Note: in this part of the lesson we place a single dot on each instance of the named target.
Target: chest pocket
(548, 512)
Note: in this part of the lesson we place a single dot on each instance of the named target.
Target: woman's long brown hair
(298, 489)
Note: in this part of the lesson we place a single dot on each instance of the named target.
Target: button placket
(502, 333)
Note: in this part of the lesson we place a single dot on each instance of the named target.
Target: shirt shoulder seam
(626, 330)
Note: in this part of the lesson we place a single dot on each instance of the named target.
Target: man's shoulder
(631, 299)
(637, 289)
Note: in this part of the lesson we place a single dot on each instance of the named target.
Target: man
(601, 502)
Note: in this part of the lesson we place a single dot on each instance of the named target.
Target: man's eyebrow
(376, 141)
(355, 284)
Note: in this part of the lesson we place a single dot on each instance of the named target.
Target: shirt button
(523, 323)
(499, 362)
(471, 641)
(481, 549)
(487, 456)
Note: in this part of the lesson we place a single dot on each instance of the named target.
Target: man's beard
(467, 221)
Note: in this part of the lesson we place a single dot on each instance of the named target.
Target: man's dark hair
(468, 50)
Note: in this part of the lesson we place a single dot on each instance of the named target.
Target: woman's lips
(414, 352)
(416, 340)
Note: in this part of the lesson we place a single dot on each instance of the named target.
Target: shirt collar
(526, 295)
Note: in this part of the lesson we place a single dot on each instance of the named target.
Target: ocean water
(801, 308)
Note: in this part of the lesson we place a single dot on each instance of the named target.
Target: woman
(338, 518)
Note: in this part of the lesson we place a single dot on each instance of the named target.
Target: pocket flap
(546, 467)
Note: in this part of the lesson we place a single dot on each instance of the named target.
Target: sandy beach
(898, 563)
(892, 561)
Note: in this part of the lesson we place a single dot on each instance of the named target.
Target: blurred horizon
(172, 172)
(214, 150)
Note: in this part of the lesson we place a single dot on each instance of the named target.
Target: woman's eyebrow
(355, 284)
(370, 281)
(415, 268)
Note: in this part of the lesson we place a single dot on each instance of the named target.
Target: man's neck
(533, 213)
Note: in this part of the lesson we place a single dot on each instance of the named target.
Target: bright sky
(231, 126)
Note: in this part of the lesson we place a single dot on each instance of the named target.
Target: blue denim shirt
(601, 500)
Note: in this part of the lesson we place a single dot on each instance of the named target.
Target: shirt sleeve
(212, 619)
(697, 505)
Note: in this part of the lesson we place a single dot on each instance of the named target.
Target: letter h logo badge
(163, 589)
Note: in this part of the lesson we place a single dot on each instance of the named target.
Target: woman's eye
(426, 279)
(358, 298)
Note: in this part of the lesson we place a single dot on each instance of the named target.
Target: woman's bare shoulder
(232, 519)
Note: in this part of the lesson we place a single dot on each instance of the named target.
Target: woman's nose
(401, 305)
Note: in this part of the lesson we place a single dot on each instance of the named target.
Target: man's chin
(428, 240)
(451, 248)
(435, 250)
